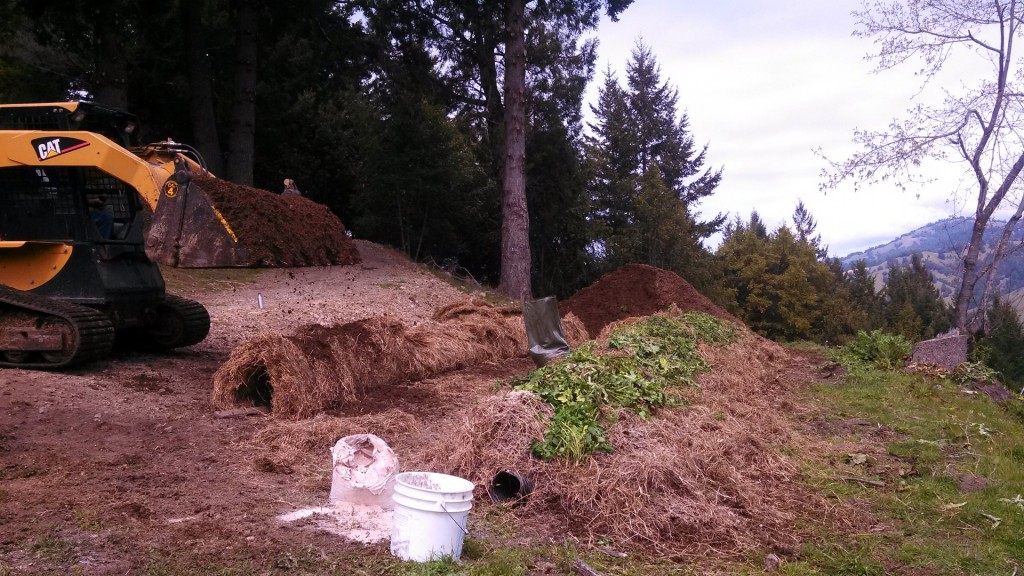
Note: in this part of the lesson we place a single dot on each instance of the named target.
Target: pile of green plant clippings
(643, 368)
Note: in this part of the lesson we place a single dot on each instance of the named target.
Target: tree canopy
(649, 175)
(977, 124)
(397, 119)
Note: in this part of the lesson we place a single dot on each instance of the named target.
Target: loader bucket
(204, 222)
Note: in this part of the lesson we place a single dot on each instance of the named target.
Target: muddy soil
(123, 467)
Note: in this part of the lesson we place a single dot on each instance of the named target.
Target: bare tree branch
(982, 127)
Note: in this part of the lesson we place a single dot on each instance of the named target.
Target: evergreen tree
(1001, 349)
(422, 191)
(757, 225)
(913, 306)
(497, 61)
(865, 301)
(805, 226)
(839, 319)
(560, 65)
(777, 285)
(639, 137)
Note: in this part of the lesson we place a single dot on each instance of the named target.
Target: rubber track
(93, 331)
(196, 320)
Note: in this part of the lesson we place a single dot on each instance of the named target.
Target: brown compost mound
(715, 477)
(321, 368)
(278, 230)
(636, 290)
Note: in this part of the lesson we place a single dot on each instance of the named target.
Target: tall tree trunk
(997, 258)
(200, 86)
(111, 77)
(982, 215)
(242, 145)
(969, 278)
(515, 219)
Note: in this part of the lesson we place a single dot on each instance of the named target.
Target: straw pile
(320, 368)
(494, 433)
(709, 478)
(304, 446)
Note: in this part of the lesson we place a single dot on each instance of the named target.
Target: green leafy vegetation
(974, 373)
(647, 364)
(884, 350)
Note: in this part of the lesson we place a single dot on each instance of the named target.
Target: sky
(765, 84)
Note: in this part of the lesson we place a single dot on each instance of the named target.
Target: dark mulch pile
(281, 230)
(636, 290)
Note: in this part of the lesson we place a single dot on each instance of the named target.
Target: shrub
(883, 350)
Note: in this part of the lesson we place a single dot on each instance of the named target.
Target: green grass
(54, 548)
(930, 526)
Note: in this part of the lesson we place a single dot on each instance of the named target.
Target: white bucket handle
(464, 531)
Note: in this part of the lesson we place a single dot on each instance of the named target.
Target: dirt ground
(121, 465)
(125, 467)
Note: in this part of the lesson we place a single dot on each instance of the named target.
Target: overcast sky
(765, 83)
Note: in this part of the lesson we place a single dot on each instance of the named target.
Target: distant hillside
(940, 245)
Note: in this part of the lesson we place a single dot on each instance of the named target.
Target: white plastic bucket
(430, 515)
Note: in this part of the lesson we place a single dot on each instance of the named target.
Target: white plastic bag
(364, 471)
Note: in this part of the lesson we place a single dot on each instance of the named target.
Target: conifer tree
(1002, 347)
(757, 225)
(639, 136)
(805, 226)
(913, 305)
(779, 287)
(865, 301)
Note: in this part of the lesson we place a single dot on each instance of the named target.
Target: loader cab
(119, 126)
(55, 206)
(59, 203)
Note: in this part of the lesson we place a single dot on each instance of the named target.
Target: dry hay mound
(304, 446)
(278, 230)
(710, 478)
(636, 290)
(493, 433)
(319, 368)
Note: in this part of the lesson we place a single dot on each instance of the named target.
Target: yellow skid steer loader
(76, 264)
